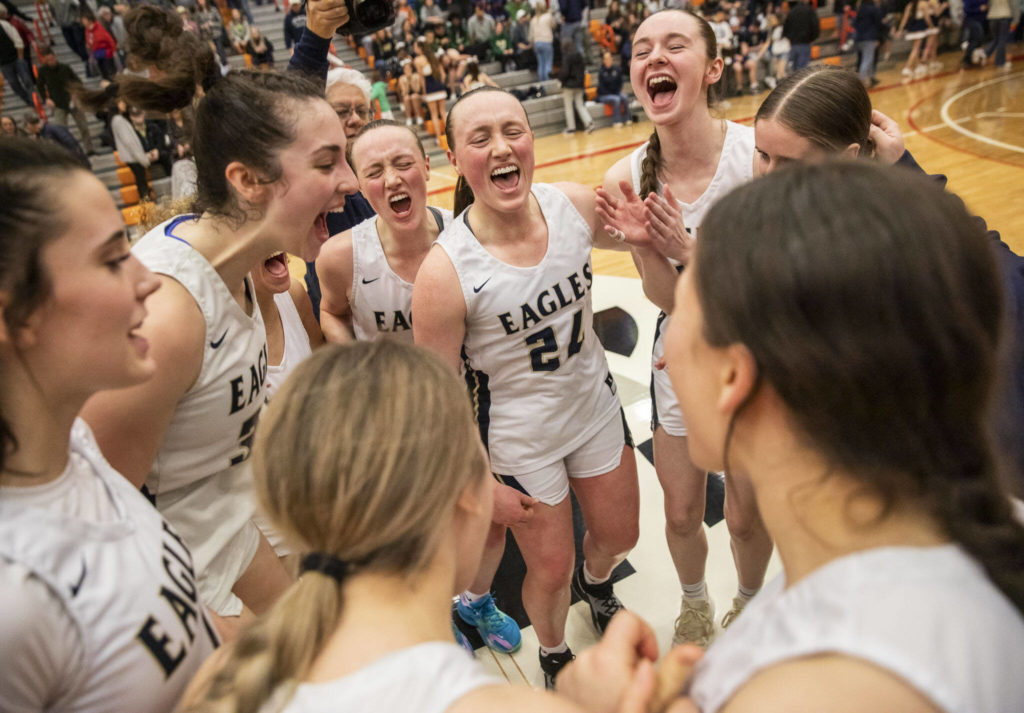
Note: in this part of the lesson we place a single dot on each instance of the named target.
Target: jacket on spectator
(573, 72)
(53, 82)
(127, 142)
(10, 43)
(572, 10)
(480, 29)
(65, 12)
(609, 80)
(294, 24)
(99, 41)
(867, 26)
(801, 26)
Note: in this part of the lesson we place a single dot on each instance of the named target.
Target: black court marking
(616, 329)
(714, 509)
(508, 582)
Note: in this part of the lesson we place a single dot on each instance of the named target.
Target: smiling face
(493, 149)
(8, 126)
(393, 174)
(350, 105)
(672, 66)
(95, 306)
(315, 178)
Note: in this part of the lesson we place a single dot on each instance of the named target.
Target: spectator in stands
(260, 49)
(67, 14)
(480, 30)
(211, 27)
(779, 48)
(410, 91)
(238, 31)
(403, 14)
(114, 24)
(573, 77)
(242, 6)
(186, 20)
(430, 14)
(27, 37)
(131, 151)
(476, 78)
(542, 34)
(379, 97)
(37, 128)
(801, 28)
(512, 8)
(1000, 15)
(294, 24)
(154, 137)
(867, 28)
(522, 47)
(572, 22)
(501, 47)
(9, 127)
(384, 53)
(457, 36)
(55, 83)
(753, 51)
(12, 60)
(975, 13)
(348, 93)
(609, 89)
(615, 18)
(101, 45)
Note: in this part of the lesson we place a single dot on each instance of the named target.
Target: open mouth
(276, 265)
(400, 204)
(661, 89)
(506, 178)
(320, 227)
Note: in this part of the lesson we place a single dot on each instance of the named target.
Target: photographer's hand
(324, 17)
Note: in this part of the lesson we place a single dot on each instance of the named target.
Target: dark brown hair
(878, 324)
(828, 106)
(157, 37)
(33, 175)
(651, 164)
(463, 193)
(248, 116)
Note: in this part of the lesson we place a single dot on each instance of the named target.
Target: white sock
(591, 579)
(560, 649)
(696, 591)
(467, 597)
(746, 594)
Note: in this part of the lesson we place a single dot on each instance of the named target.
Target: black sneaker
(552, 664)
(600, 597)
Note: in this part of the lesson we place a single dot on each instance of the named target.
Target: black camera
(366, 16)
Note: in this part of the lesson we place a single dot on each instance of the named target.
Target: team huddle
(225, 479)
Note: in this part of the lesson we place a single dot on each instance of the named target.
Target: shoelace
(690, 619)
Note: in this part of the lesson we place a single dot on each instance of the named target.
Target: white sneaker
(935, 66)
(921, 70)
(730, 616)
(408, 121)
(908, 72)
(616, 124)
(695, 623)
(978, 56)
(419, 121)
(771, 82)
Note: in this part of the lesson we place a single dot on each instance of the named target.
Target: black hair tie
(324, 563)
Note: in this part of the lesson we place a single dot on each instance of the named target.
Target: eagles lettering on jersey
(181, 596)
(549, 301)
(394, 321)
(254, 380)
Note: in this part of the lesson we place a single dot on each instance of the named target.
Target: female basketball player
(505, 295)
(367, 275)
(862, 424)
(408, 506)
(694, 159)
(100, 610)
(187, 432)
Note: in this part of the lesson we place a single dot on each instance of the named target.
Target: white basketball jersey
(201, 479)
(427, 678)
(381, 301)
(296, 343)
(928, 615)
(537, 371)
(735, 167)
(126, 581)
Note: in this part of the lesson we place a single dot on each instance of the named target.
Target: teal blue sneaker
(498, 630)
(462, 641)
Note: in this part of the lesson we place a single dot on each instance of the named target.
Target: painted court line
(944, 113)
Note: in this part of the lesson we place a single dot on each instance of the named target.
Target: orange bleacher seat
(815, 52)
(369, 60)
(828, 23)
(835, 61)
(607, 109)
(361, 51)
(118, 161)
(125, 176)
(393, 85)
(248, 60)
(589, 91)
(443, 141)
(130, 194)
(132, 214)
